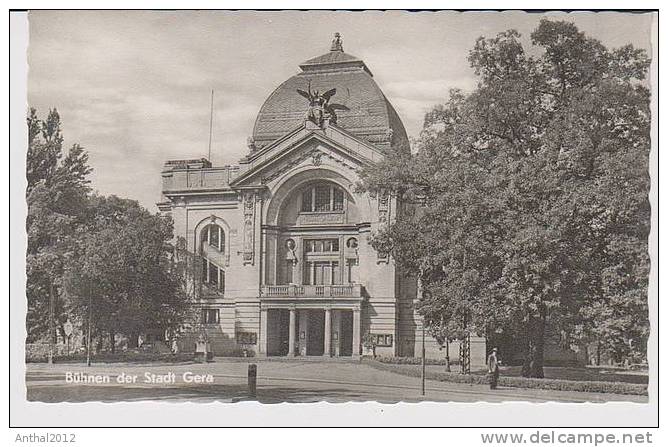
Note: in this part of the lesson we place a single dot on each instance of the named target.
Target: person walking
(493, 363)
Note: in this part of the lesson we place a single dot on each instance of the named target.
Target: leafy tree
(100, 254)
(56, 196)
(123, 273)
(527, 199)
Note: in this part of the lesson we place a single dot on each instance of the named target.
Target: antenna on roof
(210, 125)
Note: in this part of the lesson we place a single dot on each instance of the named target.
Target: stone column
(328, 332)
(291, 335)
(356, 331)
(264, 317)
(303, 328)
(336, 329)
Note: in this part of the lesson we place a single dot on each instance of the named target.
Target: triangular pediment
(304, 143)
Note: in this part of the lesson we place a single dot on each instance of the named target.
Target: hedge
(414, 361)
(521, 382)
(34, 356)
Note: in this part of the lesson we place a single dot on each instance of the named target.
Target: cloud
(133, 87)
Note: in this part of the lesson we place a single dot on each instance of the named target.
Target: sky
(134, 87)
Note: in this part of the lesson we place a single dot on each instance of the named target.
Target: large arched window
(322, 198)
(213, 249)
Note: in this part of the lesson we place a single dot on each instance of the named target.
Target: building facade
(285, 264)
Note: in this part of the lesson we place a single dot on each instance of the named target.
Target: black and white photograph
(238, 209)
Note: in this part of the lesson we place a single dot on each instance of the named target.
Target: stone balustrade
(180, 175)
(310, 291)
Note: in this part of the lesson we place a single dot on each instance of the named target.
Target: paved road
(278, 381)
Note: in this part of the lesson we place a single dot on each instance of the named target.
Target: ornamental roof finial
(337, 43)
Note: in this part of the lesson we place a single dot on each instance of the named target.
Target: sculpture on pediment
(250, 142)
(337, 43)
(320, 109)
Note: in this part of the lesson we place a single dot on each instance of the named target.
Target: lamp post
(90, 323)
(420, 295)
(447, 354)
(447, 345)
(424, 361)
(52, 329)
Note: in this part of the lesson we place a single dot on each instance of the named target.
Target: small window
(321, 245)
(213, 276)
(383, 339)
(210, 316)
(246, 338)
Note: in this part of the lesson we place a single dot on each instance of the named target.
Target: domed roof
(369, 115)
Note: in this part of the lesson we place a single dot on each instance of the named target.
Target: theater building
(286, 268)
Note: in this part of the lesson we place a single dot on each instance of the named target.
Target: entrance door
(316, 332)
(346, 335)
(278, 326)
(285, 332)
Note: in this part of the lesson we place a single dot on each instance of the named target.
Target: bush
(414, 361)
(240, 352)
(639, 367)
(39, 352)
(523, 382)
(40, 355)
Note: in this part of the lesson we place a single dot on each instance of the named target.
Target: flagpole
(210, 125)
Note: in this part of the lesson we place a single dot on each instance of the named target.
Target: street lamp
(52, 329)
(424, 361)
(90, 323)
(420, 292)
(447, 344)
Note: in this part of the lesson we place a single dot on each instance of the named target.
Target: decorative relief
(321, 218)
(249, 227)
(383, 218)
(316, 157)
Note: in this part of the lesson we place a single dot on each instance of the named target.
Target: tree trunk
(112, 341)
(598, 353)
(535, 348)
(133, 341)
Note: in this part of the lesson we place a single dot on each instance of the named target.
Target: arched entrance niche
(312, 232)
